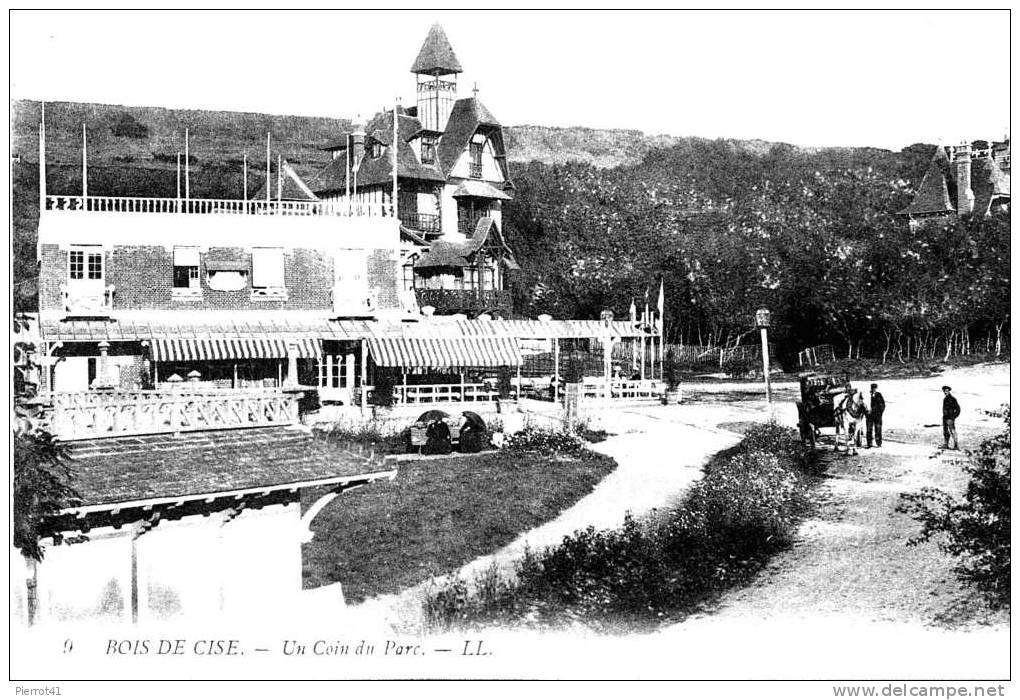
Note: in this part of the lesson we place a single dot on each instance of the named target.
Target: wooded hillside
(600, 215)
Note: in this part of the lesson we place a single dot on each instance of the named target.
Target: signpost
(763, 319)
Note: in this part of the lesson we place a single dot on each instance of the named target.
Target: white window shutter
(267, 267)
(186, 257)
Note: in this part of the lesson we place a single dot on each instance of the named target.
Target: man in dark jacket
(950, 412)
(875, 417)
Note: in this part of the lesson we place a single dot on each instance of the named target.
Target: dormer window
(375, 150)
(428, 150)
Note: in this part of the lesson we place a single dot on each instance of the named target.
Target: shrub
(574, 371)
(545, 441)
(738, 366)
(671, 370)
(42, 486)
(127, 126)
(505, 383)
(382, 393)
(741, 512)
(977, 528)
(380, 436)
(783, 442)
(309, 401)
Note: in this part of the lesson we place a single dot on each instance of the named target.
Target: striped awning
(189, 349)
(444, 352)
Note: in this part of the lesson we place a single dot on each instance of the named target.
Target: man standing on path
(875, 417)
(950, 412)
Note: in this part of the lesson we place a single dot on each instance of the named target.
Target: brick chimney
(964, 194)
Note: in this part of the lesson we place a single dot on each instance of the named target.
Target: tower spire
(436, 69)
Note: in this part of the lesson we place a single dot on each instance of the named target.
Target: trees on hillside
(812, 236)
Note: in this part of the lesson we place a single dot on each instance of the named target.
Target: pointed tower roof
(933, 196)
(436, 56)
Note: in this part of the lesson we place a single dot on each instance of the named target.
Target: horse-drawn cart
(816, 407)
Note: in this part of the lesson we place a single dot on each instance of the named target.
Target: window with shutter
(267, 268)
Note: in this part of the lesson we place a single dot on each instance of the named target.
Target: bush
(546, 441)
(671, 370)
(42, 486)
(309, 402)
(738, 366)
(380, 436)
(740, 513)
(382, 393)
(505, 383)
(127, 126)
(977, 528)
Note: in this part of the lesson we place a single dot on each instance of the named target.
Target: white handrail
(160, 205)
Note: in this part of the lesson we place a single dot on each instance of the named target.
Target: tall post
(42, 159)
(519, 383)
(556, 370)
(763, 318)
(279, 178)
(178, 180)
(187, 166)
(269, 163)
(364, 374)
(347, 173)
(244, 183)
(394, 149)
(84, 166)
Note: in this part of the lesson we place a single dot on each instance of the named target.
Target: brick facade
(143, 279)
(383, 278)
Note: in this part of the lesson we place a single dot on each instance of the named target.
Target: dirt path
(852, 597)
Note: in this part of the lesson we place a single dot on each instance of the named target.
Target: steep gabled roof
(933, 196)
(375, 171)
(467, 116)
(436, 56)
(447, 254)
(988, 183)
(294, 187)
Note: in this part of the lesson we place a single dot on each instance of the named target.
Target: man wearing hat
(950, 412)
(875, 417)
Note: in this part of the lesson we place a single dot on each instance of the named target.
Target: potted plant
(382, 392)
(671, 375)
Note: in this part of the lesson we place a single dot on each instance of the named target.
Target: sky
(871, 78)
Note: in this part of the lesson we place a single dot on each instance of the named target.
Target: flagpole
(84, 167)
(244, 181)
(394, 158)
(178, 181)
(187, 167)
(42, 159)
(269, 166)
(279, 178)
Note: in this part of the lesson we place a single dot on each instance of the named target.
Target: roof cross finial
(474, 90)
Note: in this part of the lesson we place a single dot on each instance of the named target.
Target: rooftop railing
(161, 205)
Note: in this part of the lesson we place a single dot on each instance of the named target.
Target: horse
(849, 413)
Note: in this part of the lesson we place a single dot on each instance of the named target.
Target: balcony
(422, 223)
(466, 301)
(87, 299)
(468, 224)
(160, 205)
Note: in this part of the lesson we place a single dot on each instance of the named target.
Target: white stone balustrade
(160, 205)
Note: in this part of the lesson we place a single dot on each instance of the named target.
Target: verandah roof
(191, 349)
(445, 352)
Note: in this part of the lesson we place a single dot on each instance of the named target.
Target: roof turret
(436, 56)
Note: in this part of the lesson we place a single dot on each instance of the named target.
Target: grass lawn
(438, 515)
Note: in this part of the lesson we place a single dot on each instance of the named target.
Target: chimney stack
(964, 194)
(358, 140)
